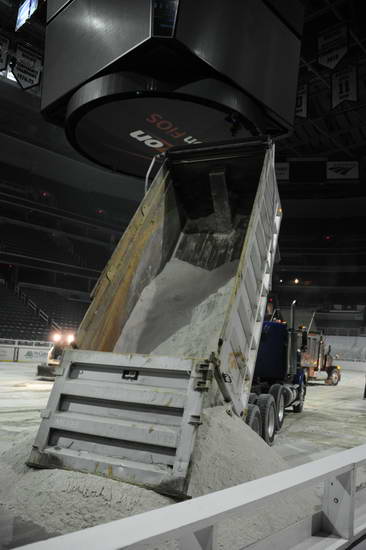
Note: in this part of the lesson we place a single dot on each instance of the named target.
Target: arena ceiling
(326, 132)
(322, 132)
(340, 131)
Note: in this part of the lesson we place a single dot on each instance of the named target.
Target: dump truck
(279, 379)
(316, 358)
(175, 321)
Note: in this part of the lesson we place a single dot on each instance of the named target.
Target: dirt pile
(181, 312)
(227, 452)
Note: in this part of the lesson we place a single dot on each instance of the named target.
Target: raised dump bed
(187, 283)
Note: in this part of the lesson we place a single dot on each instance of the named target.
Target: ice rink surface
(334, 419)
(22, 396)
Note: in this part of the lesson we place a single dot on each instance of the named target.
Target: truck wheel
(298, 408)
(267, 406)
(252, 398)
(254, 419)
(278, 395)
(334, 377)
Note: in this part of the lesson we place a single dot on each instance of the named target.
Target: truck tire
(267, 407)
(334, 377)
(299, 407)
(254, 419)
(278, 395)
(252, 398)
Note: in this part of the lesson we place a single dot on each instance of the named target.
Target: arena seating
(31, 242)
(59, 307)
(95, 256)
(302, 316)
(330, 259)
(17, 320)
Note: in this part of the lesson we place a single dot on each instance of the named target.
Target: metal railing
(193, 523)
(36, 308)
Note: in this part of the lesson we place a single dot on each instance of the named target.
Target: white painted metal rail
(193, 524)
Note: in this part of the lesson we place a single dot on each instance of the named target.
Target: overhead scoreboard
(25, 11)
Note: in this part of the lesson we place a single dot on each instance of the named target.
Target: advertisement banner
(32, 355)
(6, 354)
(282, 171)
(332, 46)
(344, 86)
(301, 109)
(4, 48)
(28, 67)
(343, 170)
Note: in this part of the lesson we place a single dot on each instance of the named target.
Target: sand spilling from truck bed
(227, 452)
(181, 312)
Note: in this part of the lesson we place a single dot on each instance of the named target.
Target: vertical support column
(339, 504)
(204, 539)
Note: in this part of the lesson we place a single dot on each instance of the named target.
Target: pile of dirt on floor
(227, 453)
(63, 501)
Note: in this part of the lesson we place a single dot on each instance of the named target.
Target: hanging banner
(344, 86)
(282, 171)
(28, 67)
(4, 48)
(301, 109)
(25, 11)
(342, 170)
(332, 46)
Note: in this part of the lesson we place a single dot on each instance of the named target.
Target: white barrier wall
(7, 353)
(23, 351)
(32, 355)
(349, 348)
(359, 366)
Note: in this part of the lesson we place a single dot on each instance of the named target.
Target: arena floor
(22, 396)
(334, 419)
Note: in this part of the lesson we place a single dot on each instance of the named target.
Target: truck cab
(278, 380)
(317, 360)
